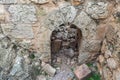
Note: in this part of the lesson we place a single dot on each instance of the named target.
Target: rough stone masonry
(26, 27)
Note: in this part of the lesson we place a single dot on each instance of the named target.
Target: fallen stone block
(48, 69)
(82, 71)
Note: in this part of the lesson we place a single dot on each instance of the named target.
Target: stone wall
(32, 22)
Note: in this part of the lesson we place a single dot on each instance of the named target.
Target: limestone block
(97, 10)
(112, 63)
(23, 31)
(7, 1)
(48, 69)
(18, 30)
(69, 12)
(86, 24)
(91, 45)
(22, 13)
(82, 71)
(82, 20)
(53, 20)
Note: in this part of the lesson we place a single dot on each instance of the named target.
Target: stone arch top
(63, 15)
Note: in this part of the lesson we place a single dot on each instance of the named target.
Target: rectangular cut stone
(22, 13)
(8, 1)
(18, 30)
(23, 31)
(82, 71)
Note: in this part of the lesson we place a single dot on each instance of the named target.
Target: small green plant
(89, 64)
(94, 75)
(36, 70)
(31, 56)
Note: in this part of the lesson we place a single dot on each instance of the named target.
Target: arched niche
(65, 41)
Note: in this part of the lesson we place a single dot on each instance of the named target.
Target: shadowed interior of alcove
(65, 45)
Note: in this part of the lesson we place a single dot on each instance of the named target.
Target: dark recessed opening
(65, 43)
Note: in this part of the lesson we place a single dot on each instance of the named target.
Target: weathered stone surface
(86, 24)
(22, 13)
(17, 67)
(91, 45)
(82, 71)
(97, 10)
(117, 1)
(24, 1)
(7, 1)
(18, 30)
(101, 31)
(7, 54)
(41, 77)
(82, 20)
(2, 56)
(109, 68)
(64, 74)
(23, 31)
(2, 13)
(20, 70)
(101, 58)
(117, 74)
(48, 69)
(84, 56)
(21, 16)
(64, 15)
(112, 63)
(54, 20)
(69, 12)
(40, 1)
